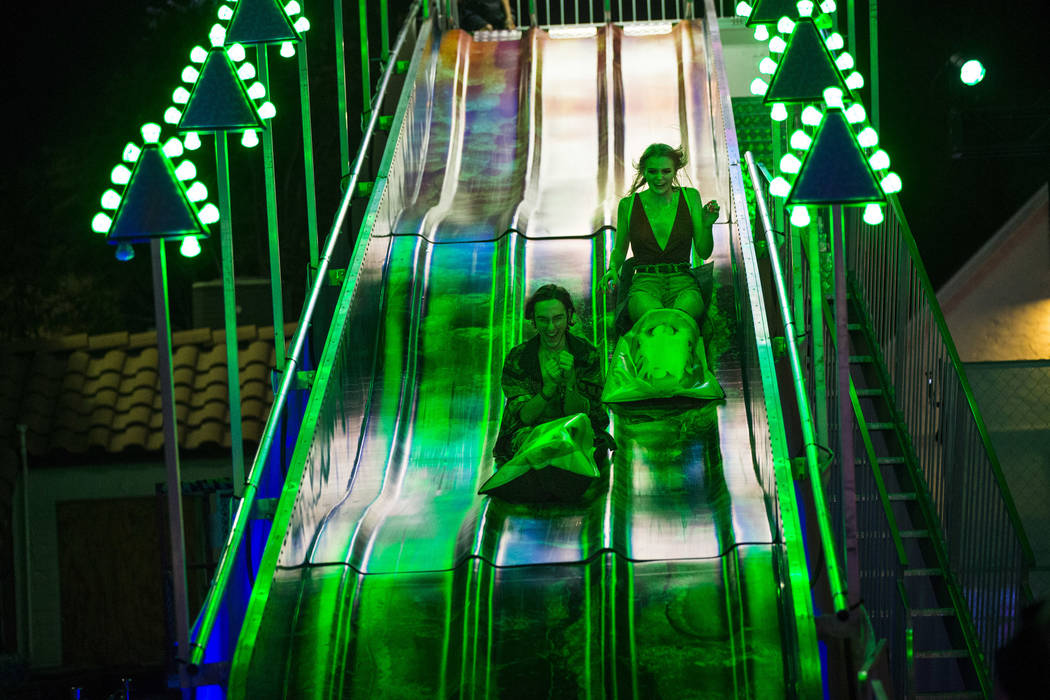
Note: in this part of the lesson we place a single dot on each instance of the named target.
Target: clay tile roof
(99, 395)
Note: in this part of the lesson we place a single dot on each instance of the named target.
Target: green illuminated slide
(387, 575)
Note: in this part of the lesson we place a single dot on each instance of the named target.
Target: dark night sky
(85, 70)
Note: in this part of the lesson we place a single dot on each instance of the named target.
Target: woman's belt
(664, 268)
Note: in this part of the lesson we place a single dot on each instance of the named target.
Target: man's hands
(609, 280)
(558, 372)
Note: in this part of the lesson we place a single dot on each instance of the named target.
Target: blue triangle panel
(770, 12)
(219, 101)
(154, 205)
(260, 22)
(835, 170)
(805, 70)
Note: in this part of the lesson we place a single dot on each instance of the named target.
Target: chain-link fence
(1015, 400)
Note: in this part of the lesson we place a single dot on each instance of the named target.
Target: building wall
(50, 487)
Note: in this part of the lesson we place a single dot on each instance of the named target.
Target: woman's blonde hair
(657, 150)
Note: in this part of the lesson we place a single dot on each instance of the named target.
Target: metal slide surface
(395, 579)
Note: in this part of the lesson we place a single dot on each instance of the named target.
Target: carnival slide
(394, 578)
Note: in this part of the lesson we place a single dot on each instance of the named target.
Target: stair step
(933, 612)
(924, 572)
(882, 425)
(855, 326)
(906, 496)
(890, 460)
(869, 393)
(915, 534)
(861, 359)
(943, 654)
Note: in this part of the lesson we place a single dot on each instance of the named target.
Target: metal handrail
(827, 541)
(216, 592)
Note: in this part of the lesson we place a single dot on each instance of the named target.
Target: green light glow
(267, 110)
(110, 199)
(186, 170)
(181, 96)
(868, 137)
(302, 25)
(125, 252)
(790, 164)
(873, 214)
(209, 214)
(225, 13)
(779, 112)
(777, 45)
(880, 160)
(833, 97)
(287, 49)
(828, 6)
(891, 183)
(150, 132)
(190, 75)
(120, 175)
(101, 223)
(761, 32)
(779, 187)
(767, 65)
(235, 52)
(811, 116)
(197, 192)
(800, 140)
(856, 113)
(805, 8)
(131, 153)
(743, 9)
(172, 115)
(971, 72)
(800, 216)
(246, 71)
(786, 25)
(217, 35)
(192, 141)
(855, 81)
(844, 62)
(190, 247)
(834, 42)
(292, 8)
(173, 148)
(257, 91)
(759, 86)
(250, 139)
(198, 54)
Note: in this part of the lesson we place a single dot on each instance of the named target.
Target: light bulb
(197, 192)
(246, 71)
(150, 132)
(192, 141)
(971, 72)
(120, 175)
(855, 114)
(743, 9)
(257, 91)
(267, 110)
(868, 137)
(800, 140)
(759, 86)
(833, 97)
(811, 116)
(217, 35)
(198, 54)
(110, 200)
(101, 223)
(828, 6)
(880, 160)
(181, 96)
(209, 214)
(805, 8)
(186, 170)
(834, 41)
(235, 52)
(779, 112)
(292, 8)
(125, 252)
(790, 164)
(225, 13)
(767, 65)
(131, 153)
(873, 214)
(173, 148)
(855, 81)
(800, 216)
(190, 75)
(302, 25)
(891, 183)
(844, 62)
(250, 139)
(777, 45)
(779, 187)
(172, 115)
(761, 32)
(785, 25)
(190, 247)
(287, 49)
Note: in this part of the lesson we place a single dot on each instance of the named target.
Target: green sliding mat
(387, 575)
